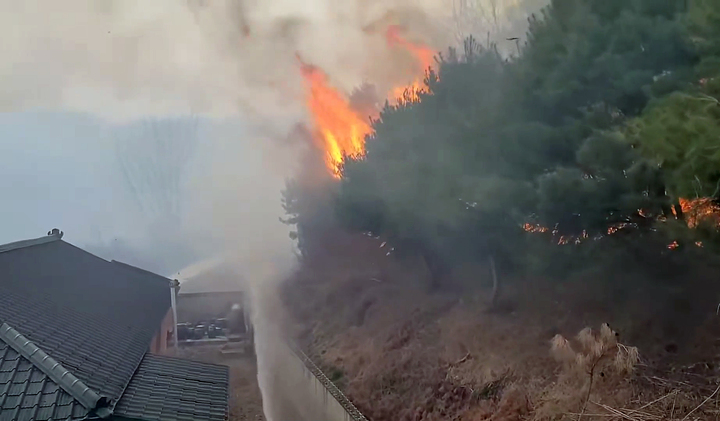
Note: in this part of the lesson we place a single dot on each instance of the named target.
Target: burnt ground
(245, 398)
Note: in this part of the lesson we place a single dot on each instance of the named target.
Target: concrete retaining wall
(311, 394)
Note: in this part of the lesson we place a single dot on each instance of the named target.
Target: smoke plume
(221, 59)
(123, 58)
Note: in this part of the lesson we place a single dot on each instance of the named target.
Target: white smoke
(124, 58)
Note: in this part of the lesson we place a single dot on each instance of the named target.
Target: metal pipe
(174, 287)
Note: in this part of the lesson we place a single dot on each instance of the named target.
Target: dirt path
(245, 398)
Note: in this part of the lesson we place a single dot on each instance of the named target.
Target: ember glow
(339, 130)
(699, 210)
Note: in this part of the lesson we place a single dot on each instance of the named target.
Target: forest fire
(340, 130)
(697, 211)
(424, 56)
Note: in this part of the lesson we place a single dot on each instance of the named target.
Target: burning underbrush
(401, 353)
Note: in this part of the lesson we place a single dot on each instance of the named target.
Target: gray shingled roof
(172, 389)
(74, 332)
(27, 394)
(33, 386)
(95, 318)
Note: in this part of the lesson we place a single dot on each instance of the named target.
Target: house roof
(33, 386)
(93, 318)
(82, 310)
(27, 394)
(172, 389)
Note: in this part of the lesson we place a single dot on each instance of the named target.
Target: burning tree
(438, 207)
(543, 138)
(338, 129)
(583, 135)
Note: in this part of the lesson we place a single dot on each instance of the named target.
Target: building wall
(159, 343)
(196, 307)
(302, 390)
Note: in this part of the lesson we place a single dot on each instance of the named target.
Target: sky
(61, 169)
(56, 170)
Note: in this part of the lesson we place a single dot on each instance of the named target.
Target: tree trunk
(436, 266)
(678, 211)
(661, 191)
(496, 285)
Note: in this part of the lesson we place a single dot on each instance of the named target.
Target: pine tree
(493, 143)
(680, 133)
(581, 53)
(703, 21)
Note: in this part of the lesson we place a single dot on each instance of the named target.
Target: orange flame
(699, 210)
(341, 131)
(424, 56)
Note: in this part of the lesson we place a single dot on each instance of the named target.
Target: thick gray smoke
(121, 58)
(220, 59)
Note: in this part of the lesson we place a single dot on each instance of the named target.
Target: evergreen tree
(588, 66)
(583, 53)
(681, 133)
(559, 136)
(703, 21)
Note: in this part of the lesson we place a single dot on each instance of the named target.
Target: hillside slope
(401, 353)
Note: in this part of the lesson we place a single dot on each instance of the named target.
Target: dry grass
(401, 354)
(594, 356)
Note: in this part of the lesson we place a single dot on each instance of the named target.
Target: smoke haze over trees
(595, 137)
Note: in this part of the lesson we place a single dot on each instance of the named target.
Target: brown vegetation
(401, 353)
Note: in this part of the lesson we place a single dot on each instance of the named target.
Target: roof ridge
(124, 389)
(53, 235)
(87, 397)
